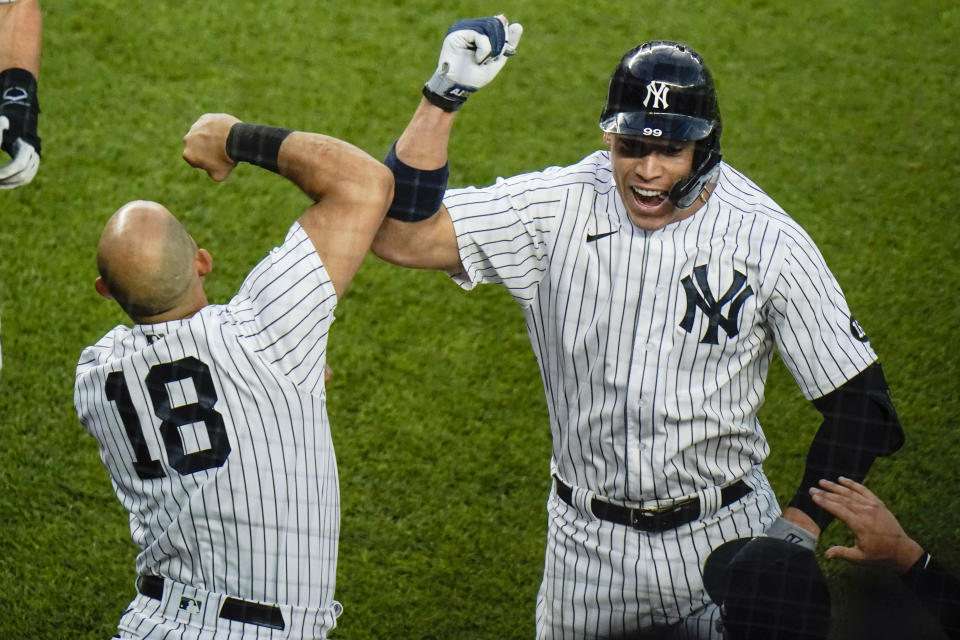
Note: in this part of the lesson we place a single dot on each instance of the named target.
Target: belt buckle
(642, 519)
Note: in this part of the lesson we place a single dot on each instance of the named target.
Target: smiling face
(644, 170)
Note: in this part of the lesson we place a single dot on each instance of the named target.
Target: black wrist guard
(256, 143)
(417, 193)
(437, 100)
(18, 102)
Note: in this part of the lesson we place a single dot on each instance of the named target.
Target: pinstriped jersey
(654, 346)
(214, 432)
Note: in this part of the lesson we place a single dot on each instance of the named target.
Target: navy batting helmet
(663, 89)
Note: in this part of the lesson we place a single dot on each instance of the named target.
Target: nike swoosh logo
(591, 237)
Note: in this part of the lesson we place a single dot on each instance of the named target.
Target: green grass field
(846, 112)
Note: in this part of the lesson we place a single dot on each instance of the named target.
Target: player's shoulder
(742, 197)
(593, 169)
(294, 262)
(590, 170)
(103, 349)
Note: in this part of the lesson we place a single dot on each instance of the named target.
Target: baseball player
(211, 419)
(20, 43)
(656, 282)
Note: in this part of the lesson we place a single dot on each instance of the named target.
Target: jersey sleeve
(285, 307)
(503, 231)
(819, 339)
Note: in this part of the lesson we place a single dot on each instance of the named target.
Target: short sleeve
(286, 307)
(504, 231)
(819, 339)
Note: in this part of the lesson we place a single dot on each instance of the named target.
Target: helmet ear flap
(705, 160)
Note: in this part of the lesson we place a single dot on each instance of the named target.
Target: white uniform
(214, 431)
(654, 348)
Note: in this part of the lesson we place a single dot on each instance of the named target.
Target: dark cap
(769, 588)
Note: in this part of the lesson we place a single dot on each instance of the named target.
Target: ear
(102, 288)
(607, 139)
(203, 262)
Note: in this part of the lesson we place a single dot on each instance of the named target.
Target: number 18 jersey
(214, 431)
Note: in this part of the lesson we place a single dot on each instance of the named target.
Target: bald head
(147, 260)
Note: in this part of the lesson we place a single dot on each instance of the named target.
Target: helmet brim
(671, 126)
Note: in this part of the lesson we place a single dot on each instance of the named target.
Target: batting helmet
(768, 588)
(664, 89)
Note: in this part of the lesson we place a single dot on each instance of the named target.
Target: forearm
(423, 144)
(20, 36)
(328, 168)
(859, 425)
(403, 239)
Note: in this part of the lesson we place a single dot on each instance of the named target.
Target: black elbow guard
(860, 414)
(859, 425)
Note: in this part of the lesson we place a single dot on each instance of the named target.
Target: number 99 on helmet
(663, 89)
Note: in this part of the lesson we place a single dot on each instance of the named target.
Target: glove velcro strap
(783, 529)
(18, 101)
(445, 103)
(256, 143)
(417, 193)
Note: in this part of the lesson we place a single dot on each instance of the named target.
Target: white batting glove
(473, 53)
(21, 169)
(785, 530)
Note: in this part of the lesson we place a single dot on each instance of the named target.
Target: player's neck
(185, 309)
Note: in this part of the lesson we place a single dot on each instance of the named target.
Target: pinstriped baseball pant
(166, 619)
(604, 580)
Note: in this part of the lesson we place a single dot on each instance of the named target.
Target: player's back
(226, 466)
(215, 435)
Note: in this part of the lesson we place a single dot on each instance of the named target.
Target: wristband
(783, 529)
(417, 193)
(445, 103)
(256, 143)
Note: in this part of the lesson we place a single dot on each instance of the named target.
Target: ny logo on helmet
(700, 297)
(658, 91)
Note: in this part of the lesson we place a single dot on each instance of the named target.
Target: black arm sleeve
(938, 590)
(859, 424)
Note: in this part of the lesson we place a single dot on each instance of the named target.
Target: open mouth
(648, 197)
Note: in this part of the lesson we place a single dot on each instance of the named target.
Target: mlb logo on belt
(189, 605)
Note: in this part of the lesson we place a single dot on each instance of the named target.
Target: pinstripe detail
(264, 526)
(641, 410)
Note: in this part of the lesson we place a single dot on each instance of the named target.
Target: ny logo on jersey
(700, 297)
(658, 91)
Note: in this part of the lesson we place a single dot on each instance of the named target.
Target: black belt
(650, 520)
(263, 615)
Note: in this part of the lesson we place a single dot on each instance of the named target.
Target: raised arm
(428, 243)
(418, 231)
(20, 44)
(350, 189)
